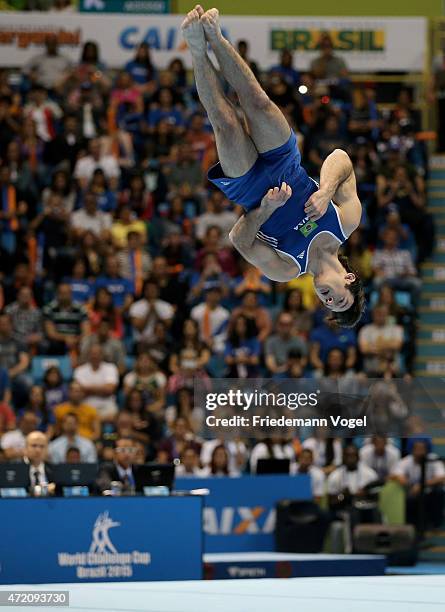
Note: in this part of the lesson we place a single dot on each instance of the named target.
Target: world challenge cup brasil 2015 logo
(103, 560)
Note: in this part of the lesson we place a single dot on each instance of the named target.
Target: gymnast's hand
(317, 205)
(276, 197)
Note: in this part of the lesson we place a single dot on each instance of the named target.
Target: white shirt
(195, 473)
(342, 478)
(58, 447)
(382, 464)
(13, 439)
(96, 223)
(234, 448)
(412, 471)
(318, 480)
(140, 310)
(219, 317)
(86, 166)
(318, 448)
(106, 373)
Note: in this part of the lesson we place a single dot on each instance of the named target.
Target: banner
(366, 44)
(125, 6)
(100, 539)
(239, 513)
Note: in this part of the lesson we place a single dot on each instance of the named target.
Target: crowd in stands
(116, 261)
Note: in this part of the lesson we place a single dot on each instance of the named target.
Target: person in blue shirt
(121, 289)
(291, 225)
(285, 68)
(141, 69)
(242, 351)
(81, 287)
(330, 336)
(166, 110)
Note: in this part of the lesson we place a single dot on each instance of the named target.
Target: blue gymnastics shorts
(269, 170)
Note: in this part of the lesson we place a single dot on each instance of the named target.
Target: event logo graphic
(103, 559)
(101, 542)
(239, 520)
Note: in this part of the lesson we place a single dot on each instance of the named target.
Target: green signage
(125, 6)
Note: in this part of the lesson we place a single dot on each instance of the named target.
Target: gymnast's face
(333, 290)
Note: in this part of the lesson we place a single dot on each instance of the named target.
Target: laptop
(273, 466)
(14, 475)
(74, 474)
(153, 475)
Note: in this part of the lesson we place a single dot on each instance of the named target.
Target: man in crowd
(15, 359)
(380, 343)
(13, 442)
(26, 319)
(121, 468)
(408, 473)
(380, 455)
(349, 481)
(65, 322)
(87, 416)
(50, 68)
(36, 451)
(70, 438)
(279, 345)
(306, 466)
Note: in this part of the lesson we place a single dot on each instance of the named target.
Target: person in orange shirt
(89, 424)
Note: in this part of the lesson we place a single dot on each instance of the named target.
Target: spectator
(212, 320)
(87, 415)
(147, 311)
(286, 70)
(242, 351)
(381, 456)
(327, 452)
(219, 464)
(120, 288)
(395, 267)
(81, 286)
(13, 442)
(135, 263)
(181, 437)
(112, 348)
(65, 147)
(44, 112)
(279, 345)
(380, 343)
(54, 387)
(189, 466)
(26, 319)
(328, 65)
(89, 219)
(149, 380)
(328, 336)
(349, 482)
(70, 438)
(7, 418)
(99, 381)
(408, 472)
(145, 426)
(301, 316)
(306, 466)
(217, 214)
(103, 308)
(86, 166)
(255, 313)
(38, 406)
(359, 255)
(141, 69)
(50, 68)
(14, 358)
(243, 49)
(64, 322)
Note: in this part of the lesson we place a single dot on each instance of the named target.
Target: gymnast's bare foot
(193, 31)
(212, 29)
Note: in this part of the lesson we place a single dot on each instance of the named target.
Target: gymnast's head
(341, 291)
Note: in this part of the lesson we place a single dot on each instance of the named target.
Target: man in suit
(40, 473)
(121, 469)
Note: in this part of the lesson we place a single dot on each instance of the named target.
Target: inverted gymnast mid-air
(291, 224)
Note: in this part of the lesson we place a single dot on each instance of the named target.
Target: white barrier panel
(366, 44)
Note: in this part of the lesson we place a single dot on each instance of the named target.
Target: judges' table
(100, 538)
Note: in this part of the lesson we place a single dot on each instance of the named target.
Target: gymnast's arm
(243, 237)
(337, 183)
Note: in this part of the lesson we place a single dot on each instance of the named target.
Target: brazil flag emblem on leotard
(308, 228)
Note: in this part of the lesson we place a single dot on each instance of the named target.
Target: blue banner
(100, 539)
(239, 513)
